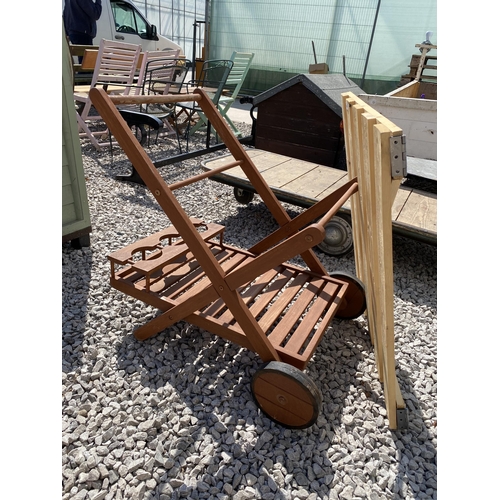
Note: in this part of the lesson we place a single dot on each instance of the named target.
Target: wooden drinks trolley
(251, 297)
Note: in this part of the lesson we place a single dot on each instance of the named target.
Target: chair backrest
(238, 73)
(152, 60)
(166, 76)
(213, 76)
(116, 64)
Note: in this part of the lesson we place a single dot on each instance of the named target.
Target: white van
(121, 20)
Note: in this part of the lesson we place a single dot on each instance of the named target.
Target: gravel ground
(173, 417)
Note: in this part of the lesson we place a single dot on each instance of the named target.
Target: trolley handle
(336, 207)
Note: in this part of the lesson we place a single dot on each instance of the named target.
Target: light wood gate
(375, 155)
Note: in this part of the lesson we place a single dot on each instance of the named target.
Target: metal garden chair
(213, 77)
(232, 88)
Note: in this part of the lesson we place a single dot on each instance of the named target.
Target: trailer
(300, 181)
(303, 183)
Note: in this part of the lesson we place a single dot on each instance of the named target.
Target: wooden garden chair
(252, 297)
(115, 71)
(232, 88)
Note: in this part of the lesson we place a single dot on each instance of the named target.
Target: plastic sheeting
(175, 20)
(371, 38)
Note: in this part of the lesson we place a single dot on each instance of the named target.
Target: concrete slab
(241, 112)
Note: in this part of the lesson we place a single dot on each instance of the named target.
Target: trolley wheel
(354, 304)
(338, 238)
(243, 196)
(286, 395)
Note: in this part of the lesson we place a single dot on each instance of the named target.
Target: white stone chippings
(173, 417)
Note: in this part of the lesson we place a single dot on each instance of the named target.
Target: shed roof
(328, 88)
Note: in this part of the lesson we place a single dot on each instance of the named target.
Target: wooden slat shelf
(277, 297)
(303, 183)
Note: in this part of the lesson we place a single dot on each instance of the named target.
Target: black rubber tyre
(338, 239)
(286, 395)
(242, 196)
(354, 304)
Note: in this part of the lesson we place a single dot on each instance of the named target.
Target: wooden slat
(277, 308)
(368, 158)
(90, 59)
(263, 301)
(176, 270)
(172, 274)
(287, 173)
(294, 312)
(336, 179)
(236, 260)
(312, 183)
(251, 292)
(420, 211)
(227, 259)
(302, 337)
(265, 298)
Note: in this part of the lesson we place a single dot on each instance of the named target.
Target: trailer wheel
(286, 395)
(354, 303)
(338, 239)
(243, 196)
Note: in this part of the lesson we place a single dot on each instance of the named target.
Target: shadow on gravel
(417, 466)
(115, 162)
(75, 292)
(416, 283)
(221, 425)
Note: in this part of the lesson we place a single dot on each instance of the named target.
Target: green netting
(371, 40)
(366, 39)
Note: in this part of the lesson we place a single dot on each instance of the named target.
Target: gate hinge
(402, 418)
(398, 156)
